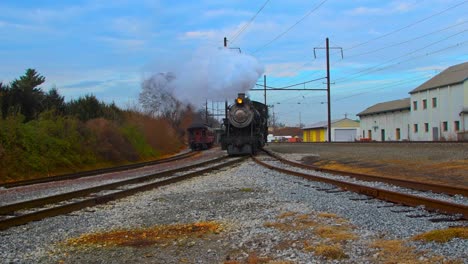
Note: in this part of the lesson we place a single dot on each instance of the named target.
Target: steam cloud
(215, 75)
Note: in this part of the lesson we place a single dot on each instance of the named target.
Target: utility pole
(264, 88)
(327, 48)
(328, 90)
(206, 111)
(225, 42)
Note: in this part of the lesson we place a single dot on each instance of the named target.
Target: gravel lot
(256, 215)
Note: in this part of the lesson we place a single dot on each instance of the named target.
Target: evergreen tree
(54, 101)
(26, 97)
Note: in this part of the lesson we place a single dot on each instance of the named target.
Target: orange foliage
(149, 236)
(157, 131)
(110, 144)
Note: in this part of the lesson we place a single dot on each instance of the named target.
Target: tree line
(24, 96)
(41, 134)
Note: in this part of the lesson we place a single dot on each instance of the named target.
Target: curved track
(97, 172)
(37, 209)
(416, 185)
(378, 193)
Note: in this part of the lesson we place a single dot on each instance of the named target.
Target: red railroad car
(200, 136)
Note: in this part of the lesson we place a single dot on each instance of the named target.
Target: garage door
(345, 134)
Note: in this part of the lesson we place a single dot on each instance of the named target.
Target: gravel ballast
(263, 214)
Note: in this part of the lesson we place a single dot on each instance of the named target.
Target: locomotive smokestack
(241, 95)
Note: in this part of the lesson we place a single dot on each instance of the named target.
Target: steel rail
(88, 173)
(415, 185)
(386, 195)
(10, 208)
(68, 208)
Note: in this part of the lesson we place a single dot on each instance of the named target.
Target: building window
(445, 126)
(415, 128)
(369, 132)
(434, 102)
(415, 105)
(424, 104)
(426, 127)
(397, 134)
(457, 125)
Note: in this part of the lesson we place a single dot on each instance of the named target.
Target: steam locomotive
(246, 127)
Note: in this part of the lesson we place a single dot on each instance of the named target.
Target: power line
(233, 38)
(407, 26)
(399, 43)
(406, 41)
(291, 27)
(375, 68)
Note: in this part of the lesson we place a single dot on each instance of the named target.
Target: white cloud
(210, 34)
(226, 13)
(392, 8)
(124, 43)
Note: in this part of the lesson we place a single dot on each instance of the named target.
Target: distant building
(436, 110)
(341, 130)
(386, 121)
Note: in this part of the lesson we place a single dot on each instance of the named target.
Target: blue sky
(107, 48)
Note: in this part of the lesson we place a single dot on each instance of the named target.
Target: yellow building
(341, 131)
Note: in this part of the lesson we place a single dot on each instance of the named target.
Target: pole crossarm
(285, 89)
(297, 84)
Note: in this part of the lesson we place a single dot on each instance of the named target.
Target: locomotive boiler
(246, 127)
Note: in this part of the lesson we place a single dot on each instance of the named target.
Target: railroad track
(430, 204)
(415, 185)
(77, 175)
(37, 209)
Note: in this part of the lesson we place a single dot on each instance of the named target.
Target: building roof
(452, 75)
(390, 106)
(324, 124)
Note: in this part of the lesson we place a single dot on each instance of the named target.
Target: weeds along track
(37, 209)
(77, 175)
(430, 201)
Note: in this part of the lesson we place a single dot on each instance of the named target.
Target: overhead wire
(406, 41)
(235, 36)
(407, 26)
(375, 68)
(291, 27)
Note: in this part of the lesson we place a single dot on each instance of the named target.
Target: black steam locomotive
(246, 127)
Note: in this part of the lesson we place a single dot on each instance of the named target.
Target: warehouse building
(341, 131)
(437, 110)
(386, 121)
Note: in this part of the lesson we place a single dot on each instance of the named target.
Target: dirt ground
(445, 163)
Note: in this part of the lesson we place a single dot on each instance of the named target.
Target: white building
(436, 110)
(386, 121)
(439, 106)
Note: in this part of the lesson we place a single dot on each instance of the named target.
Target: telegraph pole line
(327, 48)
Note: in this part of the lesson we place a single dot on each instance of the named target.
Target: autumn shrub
(109, 143)
(158, 133)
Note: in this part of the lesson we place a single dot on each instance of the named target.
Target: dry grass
(286, 214)
(157, 235)
(328, 251)
(395, 251)
(253, 258)
(444, 235)
(327, 215)
(338, 233)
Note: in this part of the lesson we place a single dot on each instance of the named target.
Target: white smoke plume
(214, 75)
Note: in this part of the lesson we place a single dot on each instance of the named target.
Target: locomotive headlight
(239, 100)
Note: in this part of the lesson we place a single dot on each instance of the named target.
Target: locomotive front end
(241, 114)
